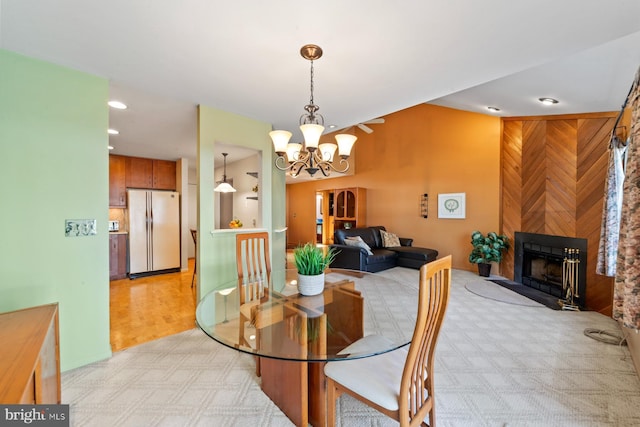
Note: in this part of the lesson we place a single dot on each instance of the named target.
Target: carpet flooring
(491, 290)
(496, 364)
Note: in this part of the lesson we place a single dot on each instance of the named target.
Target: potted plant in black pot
(487, 249)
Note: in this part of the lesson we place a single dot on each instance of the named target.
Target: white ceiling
(164, 57)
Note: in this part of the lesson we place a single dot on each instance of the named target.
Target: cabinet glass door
(351, 204)
(340, 204)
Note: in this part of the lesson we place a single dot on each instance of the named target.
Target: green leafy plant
(311, 260)
(487, 248)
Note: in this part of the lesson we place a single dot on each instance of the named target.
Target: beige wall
(423, 149)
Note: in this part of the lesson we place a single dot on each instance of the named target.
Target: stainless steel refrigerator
(154, 232)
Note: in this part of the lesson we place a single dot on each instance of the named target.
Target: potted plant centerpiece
(311, 261)
(487, 249)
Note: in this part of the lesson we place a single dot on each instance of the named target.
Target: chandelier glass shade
(224, 186)
(311, 156)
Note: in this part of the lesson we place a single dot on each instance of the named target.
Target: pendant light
(224, 186)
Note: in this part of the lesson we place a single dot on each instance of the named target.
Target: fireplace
(539, 263)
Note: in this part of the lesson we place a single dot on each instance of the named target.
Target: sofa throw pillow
(389, 240)
(357, 241)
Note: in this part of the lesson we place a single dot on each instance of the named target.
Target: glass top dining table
(286, 325)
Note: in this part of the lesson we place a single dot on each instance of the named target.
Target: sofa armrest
(349, 257)
(405, 241)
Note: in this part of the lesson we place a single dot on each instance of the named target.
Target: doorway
(324, 217)
(319, 217)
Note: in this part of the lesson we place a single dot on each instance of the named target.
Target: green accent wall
(216, 249)
(53, 140)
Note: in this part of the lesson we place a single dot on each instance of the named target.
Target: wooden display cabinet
(30, 358)
(350, 206)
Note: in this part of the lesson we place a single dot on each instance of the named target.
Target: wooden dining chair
(398, 383)
(194, 236)
(254, 276)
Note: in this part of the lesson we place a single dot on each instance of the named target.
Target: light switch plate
(79, 227)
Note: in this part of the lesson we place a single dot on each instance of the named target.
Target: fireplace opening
(543, 272)
(540, 264)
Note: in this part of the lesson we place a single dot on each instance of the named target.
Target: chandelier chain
(311, 99)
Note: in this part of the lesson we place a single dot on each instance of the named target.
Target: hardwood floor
(151, 307)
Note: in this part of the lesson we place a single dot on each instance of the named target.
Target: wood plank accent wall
(511, 187)
(553, 177)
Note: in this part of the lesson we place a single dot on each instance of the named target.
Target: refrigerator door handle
(151, 232)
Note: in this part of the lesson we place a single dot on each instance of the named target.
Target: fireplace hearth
(539, 260)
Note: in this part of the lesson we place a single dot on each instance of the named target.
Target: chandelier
(310, 155)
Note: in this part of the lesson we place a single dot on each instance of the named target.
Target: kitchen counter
(118, 232)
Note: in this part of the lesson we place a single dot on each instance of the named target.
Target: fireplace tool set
(570, 266)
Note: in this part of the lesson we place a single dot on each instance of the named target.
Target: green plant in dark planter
(487, 249)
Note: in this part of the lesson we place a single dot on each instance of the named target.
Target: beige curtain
(626, 294)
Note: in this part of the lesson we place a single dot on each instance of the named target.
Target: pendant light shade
(345, 143)
(224, 186)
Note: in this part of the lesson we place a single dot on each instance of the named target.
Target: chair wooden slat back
(254, 265)
(194, 236)
(398, 383)
(417, 378)
(254, 276)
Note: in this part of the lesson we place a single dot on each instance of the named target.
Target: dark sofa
(356, 258)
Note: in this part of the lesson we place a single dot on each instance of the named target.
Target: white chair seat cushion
(376, 378)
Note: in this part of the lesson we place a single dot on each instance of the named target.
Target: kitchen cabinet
(349, 206)
(164, 175)
(30, 362)
(117, 256)
(117, 182)
(139, 172)
(150, 173)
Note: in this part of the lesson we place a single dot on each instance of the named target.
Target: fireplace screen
(544, 270)
(539, 262)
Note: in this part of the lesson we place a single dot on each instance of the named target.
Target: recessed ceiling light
(493, 109)
(332, 126)
(117, 105)
(110, 147)
(548, 101)
(113, 132)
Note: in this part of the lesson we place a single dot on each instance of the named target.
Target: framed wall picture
(451, 205)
